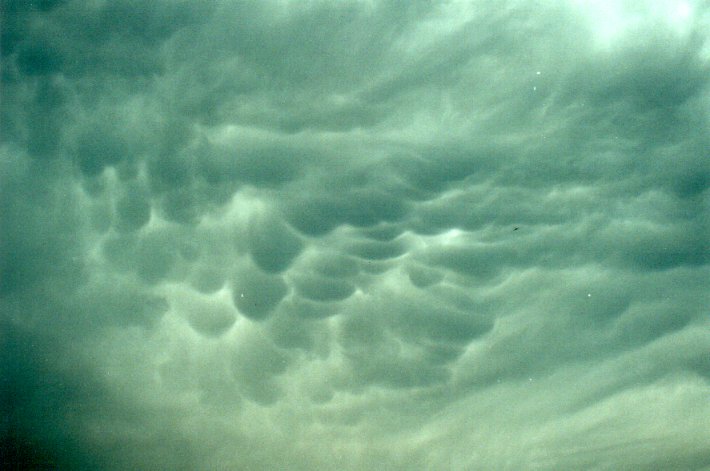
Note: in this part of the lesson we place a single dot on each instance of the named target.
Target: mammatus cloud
(355, 235)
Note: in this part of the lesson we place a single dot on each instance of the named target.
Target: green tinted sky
(355, 235)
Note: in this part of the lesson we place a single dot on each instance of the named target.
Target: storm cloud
(355, 235)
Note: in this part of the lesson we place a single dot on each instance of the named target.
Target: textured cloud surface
(355, 235)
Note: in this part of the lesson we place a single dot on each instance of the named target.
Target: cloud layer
(355, 235)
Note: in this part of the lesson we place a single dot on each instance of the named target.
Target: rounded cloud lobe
(358, 235)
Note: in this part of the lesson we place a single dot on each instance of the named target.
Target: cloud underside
(355, 235)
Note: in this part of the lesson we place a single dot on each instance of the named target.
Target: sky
(355, 235)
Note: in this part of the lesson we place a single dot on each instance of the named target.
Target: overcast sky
(355, 235)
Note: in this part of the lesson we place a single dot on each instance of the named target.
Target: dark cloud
(354, 235)
(272, 244)
(256, 293)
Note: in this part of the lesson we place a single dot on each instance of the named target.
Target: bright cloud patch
(355, 235)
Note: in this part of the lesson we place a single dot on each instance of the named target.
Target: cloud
(354, 235)
(272, 244)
